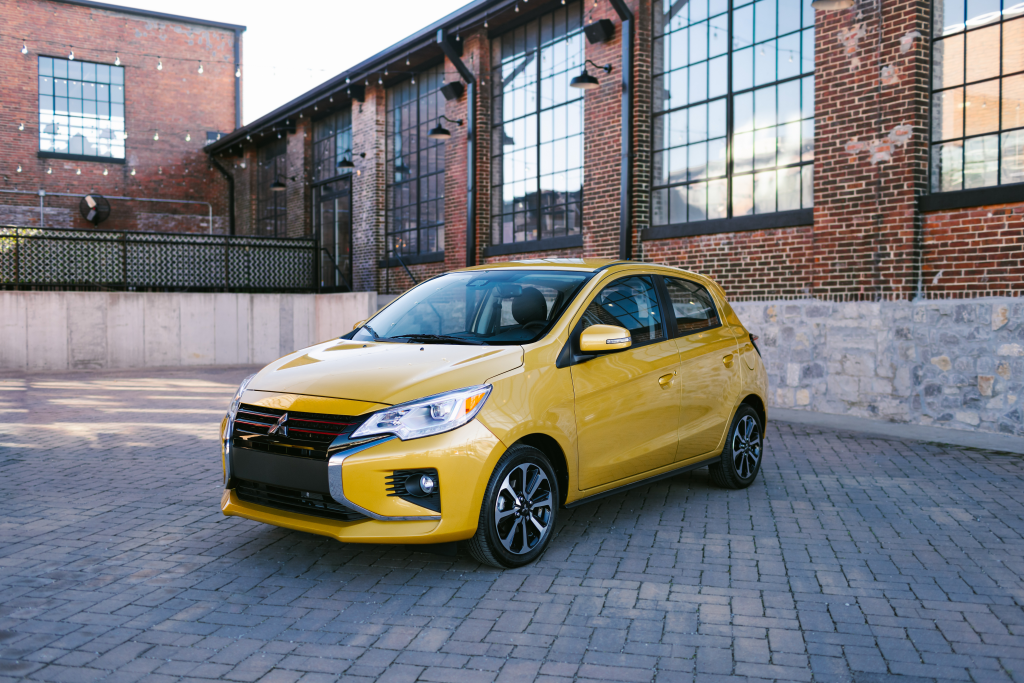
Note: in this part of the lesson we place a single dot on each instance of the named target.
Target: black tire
(743, 452)
(521, 467)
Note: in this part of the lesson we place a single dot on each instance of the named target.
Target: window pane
(631, 303)
(1013, 157)
(693, 307)
(981, 45)
(949, 62)
(981, 161)
(982, 108)
(949, 16)
(1013, 101)
(743, 195)
(1013, 46)
(947, 167)
(947, 114)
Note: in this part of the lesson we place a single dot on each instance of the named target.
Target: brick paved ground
(850, 559)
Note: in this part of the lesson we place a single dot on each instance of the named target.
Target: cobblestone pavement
(850, 559)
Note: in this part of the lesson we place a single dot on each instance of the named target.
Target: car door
(708, 368)
(627, 402)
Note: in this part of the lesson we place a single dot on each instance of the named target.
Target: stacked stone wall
(951, 363)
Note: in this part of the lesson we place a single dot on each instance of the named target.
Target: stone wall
(951, 363)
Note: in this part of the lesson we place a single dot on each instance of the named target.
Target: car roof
(581, 264)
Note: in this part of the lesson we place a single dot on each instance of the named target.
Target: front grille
(302, 502)
(304, 435)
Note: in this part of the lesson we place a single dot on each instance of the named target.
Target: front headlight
(233, 408)
(427, 416)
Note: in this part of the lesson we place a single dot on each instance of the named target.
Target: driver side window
(631, 302)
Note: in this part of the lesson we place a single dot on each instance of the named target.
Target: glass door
(334, 226)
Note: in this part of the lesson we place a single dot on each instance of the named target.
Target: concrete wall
(951, 363)
(82, 330)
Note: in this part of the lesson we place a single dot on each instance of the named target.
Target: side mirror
(604, 338)
(359, 324)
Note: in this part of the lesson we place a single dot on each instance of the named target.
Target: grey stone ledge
(896, 430)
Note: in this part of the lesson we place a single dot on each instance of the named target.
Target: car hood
(381, 372)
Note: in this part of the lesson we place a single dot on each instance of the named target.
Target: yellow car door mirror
(603, 338)
(359, 324)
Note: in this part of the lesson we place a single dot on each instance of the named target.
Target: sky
(291, 46)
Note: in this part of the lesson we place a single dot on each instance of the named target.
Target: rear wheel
(518, 512)
(741, 457)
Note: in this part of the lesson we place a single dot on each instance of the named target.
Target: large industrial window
(332, 144)
(977, 93)
(81, 108)
(415, 166)
(271, 204)
(733, 114)
(537, 168)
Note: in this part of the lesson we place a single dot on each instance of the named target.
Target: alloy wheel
(523, 509)
(746, 447)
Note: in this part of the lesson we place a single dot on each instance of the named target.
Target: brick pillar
(871, 115)
(368, 124)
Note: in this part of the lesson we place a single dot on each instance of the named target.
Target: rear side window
(692, 306)
(631, 302)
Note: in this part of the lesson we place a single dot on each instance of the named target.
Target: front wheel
(518, 512)
(741, 457)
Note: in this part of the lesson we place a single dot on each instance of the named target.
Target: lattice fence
(103, 259)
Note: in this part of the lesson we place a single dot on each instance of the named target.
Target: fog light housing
(420, 487)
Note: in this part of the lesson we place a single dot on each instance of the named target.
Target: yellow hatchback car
(480, 402)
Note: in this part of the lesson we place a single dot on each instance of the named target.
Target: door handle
(728, 361)
(665, 380)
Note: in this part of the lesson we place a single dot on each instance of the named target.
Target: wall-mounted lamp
(347, 163)
(587, 82)
(278, 184)
(439, 132)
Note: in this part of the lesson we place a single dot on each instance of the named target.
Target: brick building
(862, 164)
(97, 98)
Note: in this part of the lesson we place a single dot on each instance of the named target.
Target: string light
(19, 168)
(133, 171)
(414, 80)
(78, 172)
(159, 64)
(200, 69)
(385, 71)
(71, 55)
(517, 7)
(238, 72)
(156, 135)
(21, 126)
(188, 137)
(24, 51)
(117, 59)
(49, 170)
(106, 171)
(407, 61)
(380, 80)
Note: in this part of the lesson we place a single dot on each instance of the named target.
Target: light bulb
(124, 135)
(380, 80)
(19, 168)
(156, 135)
(49, 170)
(385, 72)
(238, 72)
(200, 69)
(407, 61)
(414, 80)
(71, 55)
(188, 137)
(117, 59)
(78, 172)
(243, 164)
(485, 23)
(791, 59)
(159, 64)
(330, 99)
(24, 51)
(517, 8)
(133, 171)
(347, 79)
(21, 126)
(106, 172)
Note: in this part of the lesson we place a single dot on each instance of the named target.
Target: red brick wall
(173, 101)
(974, 252)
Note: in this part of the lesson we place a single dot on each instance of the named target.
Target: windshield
(500, 307)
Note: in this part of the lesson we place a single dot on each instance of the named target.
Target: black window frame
(50, 80)
(802, 216)
(571, 209)
(428, 83)
(332, 142)
(272, 206)
(937, 199)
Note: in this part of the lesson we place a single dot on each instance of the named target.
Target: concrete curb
(954, 437)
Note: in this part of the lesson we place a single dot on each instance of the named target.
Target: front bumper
(464, 459)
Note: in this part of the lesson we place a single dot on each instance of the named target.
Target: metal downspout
(238, 82)
(231, 193)
(626, 172)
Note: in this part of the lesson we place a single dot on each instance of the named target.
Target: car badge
(280, 426)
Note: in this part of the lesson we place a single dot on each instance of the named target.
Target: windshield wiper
(375, 336)
(440, 338)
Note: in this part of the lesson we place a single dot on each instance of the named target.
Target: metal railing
(55, 258)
